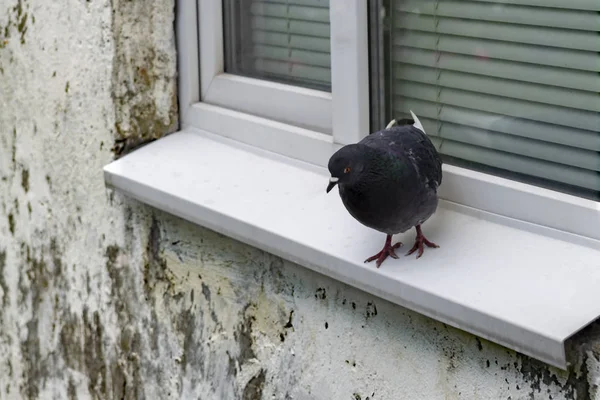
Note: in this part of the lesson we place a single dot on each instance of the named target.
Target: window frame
(210, 100)
(345, 115)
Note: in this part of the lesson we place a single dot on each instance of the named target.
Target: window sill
(521, 285)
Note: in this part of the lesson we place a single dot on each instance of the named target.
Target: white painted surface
(519, 286)
(209, 26)
(188, 53)
(522, 202)
(299, 143)
(349, 70)
(294, 105)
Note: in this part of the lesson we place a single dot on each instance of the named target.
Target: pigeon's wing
(411, 144)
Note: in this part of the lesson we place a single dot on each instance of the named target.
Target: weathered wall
(105, 298)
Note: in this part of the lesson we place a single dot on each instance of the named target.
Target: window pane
(510, 88)
(279, 40)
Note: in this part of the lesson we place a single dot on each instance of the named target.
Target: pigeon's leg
(419, 242)
(388, 250)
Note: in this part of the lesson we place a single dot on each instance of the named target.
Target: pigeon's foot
(388, 250)
(419, 242)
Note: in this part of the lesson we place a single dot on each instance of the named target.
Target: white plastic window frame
(295, 105)
(309, 125)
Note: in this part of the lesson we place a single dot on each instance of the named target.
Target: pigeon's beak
(332, 182)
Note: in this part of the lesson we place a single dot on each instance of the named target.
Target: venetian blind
(511, 84)
(280, 40)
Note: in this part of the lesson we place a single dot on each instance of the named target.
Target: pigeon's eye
(346, 170)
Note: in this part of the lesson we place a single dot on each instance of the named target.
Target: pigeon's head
(346, 166)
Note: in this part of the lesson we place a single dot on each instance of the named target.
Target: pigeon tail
(417, 123)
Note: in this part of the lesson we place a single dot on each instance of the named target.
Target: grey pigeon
(388, 181)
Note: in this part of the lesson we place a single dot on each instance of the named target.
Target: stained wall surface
(105, 298)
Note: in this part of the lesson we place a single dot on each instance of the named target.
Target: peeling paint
(11, 223)
(3, 283)
(25, 179)
(14, 148)
(321, 293)
(371, 310)
(243, 335)
(573, 384)
(15, 19)
(155, 269)
(39, 278)
(139, 69)
(254, 388)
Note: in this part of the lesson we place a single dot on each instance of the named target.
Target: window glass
(507, 87)
(279, 40)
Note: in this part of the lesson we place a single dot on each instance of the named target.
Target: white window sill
(518, 284)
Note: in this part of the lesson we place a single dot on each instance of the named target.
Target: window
(507, 88)
(275, 65)
(279, 40)
(268, 58)
(511, 88)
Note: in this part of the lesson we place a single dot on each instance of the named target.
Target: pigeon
(388, 181)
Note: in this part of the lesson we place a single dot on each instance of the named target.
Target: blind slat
(294, 71)
(501, 105)
(541, 131)
(291, 41)
(547, 75)
(514, 144)
(284, 41)
(310, 3)
(510, 162)
(511, 85)
(294, 27)
(501, 12)
(291, 12)
(483, 49)
(292, 56)
(590, 5)
(500, 87)
(536, 35)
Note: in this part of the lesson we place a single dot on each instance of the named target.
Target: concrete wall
(105, 298)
